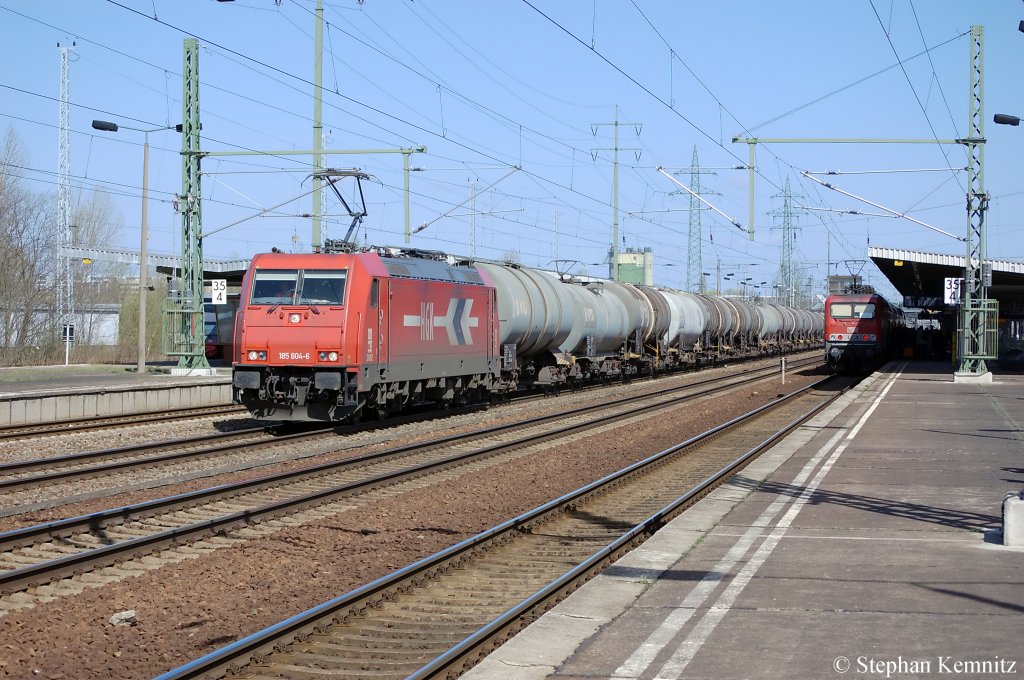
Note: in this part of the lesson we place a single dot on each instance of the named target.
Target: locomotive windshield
(322, 287)
(298, 287)
(852, 310)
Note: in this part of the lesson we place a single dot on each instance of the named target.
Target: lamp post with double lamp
(107, 126)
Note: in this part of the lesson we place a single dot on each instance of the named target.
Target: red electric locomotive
(328, 336)
(861, 331)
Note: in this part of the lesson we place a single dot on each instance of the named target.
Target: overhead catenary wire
(659, 99)
(914, 90)
(879, 172)
(882, 207)
(732, 220)
(471, 197)
(551, 195)
(130, 118)
(291, 75)
(448, 138)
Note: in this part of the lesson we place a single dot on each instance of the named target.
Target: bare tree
(97, 282)
(28, 249)
(30, 258)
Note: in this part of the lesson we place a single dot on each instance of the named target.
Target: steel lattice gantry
(979, 315)
(183, 317)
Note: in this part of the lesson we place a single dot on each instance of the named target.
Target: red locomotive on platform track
(861, 331)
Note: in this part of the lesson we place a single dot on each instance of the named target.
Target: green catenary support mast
(978, 334)
(318, 129)
(979, 315)
(184, 329)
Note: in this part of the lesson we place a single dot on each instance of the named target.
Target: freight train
(862, 331)
(339, 336)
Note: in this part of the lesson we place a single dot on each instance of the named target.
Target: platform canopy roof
(232, 270)
(921, 277)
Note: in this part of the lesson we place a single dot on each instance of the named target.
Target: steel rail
(10, 469)
(512, 620)
(312, 431)
(47, 571)
(102, 422)
(263, 643)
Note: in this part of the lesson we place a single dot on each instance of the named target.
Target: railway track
(32, 475)
(106, 422)
(52, 474)
(435, 618)
(40, 472)
(47, 560)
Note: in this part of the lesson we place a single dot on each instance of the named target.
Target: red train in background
(862, 331)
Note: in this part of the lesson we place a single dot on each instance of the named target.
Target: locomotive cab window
(852, 310)
(274, 287)
(374, 293)
(298, 287)
(323, 287)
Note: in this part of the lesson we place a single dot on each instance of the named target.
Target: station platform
(867, 544)
(43, 394)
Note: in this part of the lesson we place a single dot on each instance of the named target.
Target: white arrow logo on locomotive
(456, 322)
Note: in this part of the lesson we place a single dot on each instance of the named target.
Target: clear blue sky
(493, 85)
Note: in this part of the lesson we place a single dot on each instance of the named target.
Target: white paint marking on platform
(675, 666)
(644, 656)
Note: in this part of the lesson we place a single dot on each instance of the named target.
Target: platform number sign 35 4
(218, 291)
(952, 291)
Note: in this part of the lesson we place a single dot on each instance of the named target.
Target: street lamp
(1005, 119)
(107, 126)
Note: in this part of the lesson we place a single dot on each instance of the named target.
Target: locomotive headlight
(294, 317)
(255, 355)
(832, 337)
(333, 356)
(873, 337)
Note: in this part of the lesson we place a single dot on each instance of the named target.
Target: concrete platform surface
(867, 544)
(18, 380)
(46, 394)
